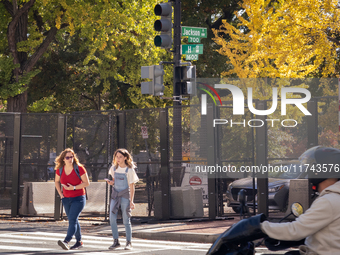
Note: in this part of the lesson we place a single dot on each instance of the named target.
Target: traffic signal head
(154, 87)
(187, 85)
(164, 25)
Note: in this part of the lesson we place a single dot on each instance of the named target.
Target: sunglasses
(67, 158)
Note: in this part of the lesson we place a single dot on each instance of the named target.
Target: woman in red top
(72, 194)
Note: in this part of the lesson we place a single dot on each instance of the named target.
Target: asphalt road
(43, 243)
(19, 237)
(29, 243)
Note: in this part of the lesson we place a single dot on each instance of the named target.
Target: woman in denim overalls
(124, 178)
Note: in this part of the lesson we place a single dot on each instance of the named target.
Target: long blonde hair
(128, 161)
(59, 161)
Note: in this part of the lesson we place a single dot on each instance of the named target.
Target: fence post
(60, 147)
(211, 158)
(121, 122)
(261, 159)
(165, 173)
(312, 123)
(16, 165)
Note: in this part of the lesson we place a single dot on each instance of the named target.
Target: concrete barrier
(38, 198)
(96, 198)
(186, 202)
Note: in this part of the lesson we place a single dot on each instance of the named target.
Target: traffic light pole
(177, 49)
(177, 122)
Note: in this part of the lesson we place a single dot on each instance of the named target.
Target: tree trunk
(17, 32)
(17, 103)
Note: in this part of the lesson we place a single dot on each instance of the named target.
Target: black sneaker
(115, 244)
(128, 246)
(77, 245)
(63, 244)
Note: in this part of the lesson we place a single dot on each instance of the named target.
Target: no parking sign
(145, 132)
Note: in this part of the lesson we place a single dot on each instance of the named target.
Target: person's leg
(67, 205)
(77, 205)
(113, 222)
(114, 228)
(82, 203)
(126, 219)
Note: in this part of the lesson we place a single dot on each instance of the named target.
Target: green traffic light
(158, 41)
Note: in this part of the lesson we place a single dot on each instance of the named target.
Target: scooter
(239, 238)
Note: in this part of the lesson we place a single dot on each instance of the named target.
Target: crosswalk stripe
(16, 241)
(96, 245)
(20, 239)
(99, 241)
(7, 247)
(61, 236)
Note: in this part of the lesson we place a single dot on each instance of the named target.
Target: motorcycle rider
(320, 224)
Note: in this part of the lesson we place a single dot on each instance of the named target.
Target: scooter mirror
(296, 209)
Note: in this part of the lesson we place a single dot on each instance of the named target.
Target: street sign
(194, 39)
(195, 180)
(191, 57)
(145, 132)
(191, 49)
(194, 32)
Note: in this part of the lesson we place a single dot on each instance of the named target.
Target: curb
(182, 236)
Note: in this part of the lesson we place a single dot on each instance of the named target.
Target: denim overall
(121, 183)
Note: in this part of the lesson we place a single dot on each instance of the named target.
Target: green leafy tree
(116, 38)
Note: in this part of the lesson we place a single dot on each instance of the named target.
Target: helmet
(321, 163)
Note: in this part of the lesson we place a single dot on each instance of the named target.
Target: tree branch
(39, 20)
(333, 40)
(28, 66)
(12, 28)
(91, 99)
(8, 6)
(30, 63)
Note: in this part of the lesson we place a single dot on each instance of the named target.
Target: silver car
(278, 187)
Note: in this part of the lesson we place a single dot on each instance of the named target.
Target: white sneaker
(128, 246)
(63, 245)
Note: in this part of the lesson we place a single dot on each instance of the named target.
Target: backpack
(76, 168)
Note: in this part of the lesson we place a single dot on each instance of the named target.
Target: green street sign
(194, 39)
(194, 32)
(191, 49)
(191, 57)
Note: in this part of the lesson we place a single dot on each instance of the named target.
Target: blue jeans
(126, 220)
(73, 207)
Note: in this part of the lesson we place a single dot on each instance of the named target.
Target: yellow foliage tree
(285, 38)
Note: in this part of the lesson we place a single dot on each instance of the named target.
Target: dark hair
(128, 161)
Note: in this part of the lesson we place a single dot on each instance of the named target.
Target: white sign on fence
(145, 132)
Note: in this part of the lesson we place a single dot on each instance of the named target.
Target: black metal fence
(29, 144)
